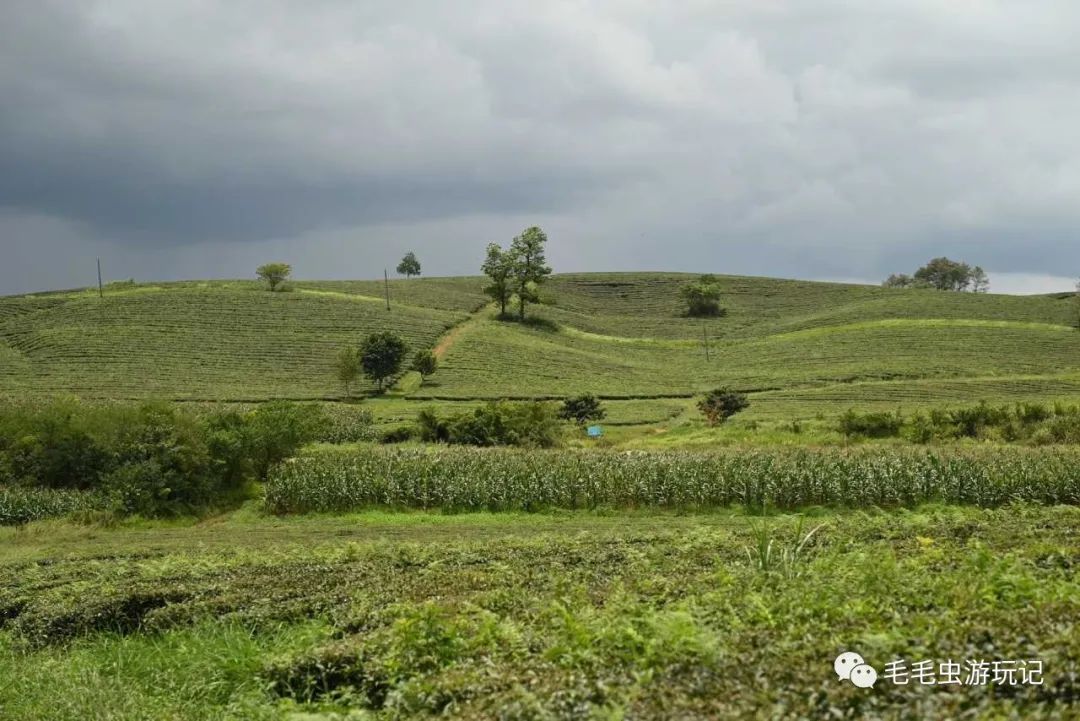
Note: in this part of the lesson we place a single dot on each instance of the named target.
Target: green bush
(870, 425)
(276, 430)
(151, 459)
(503, 423)
(582, 409)
(722, 403)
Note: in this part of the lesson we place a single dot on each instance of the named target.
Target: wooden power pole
(386, 283)
(100, 287)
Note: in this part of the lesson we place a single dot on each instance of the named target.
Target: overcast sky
(833, 139)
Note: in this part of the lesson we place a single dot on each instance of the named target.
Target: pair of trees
(381, 357)
(943, 274)
(274, 274)
(518, 270)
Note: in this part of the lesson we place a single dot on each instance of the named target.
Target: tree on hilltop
(498, 267)
(274, 273)
(980, 283)
(1076, 300)
(702, 297)
(409, 265)
(943, 274)
(527, 264)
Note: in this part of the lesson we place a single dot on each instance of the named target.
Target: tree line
(943, 274)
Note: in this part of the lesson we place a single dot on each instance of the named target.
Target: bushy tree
(720, 404)
(381, 356)
(274, 273)
(702, 297)
(425, 363)
(528, 266)
(943, 274)
(582, 409)
(899, 280)
(347, 367)
(502, 423)
(498, 267)
(980, 283)
(409, 265)
(276, 430)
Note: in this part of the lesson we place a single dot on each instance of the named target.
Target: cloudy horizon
(837, 140)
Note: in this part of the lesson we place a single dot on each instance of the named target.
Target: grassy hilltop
(802, 348)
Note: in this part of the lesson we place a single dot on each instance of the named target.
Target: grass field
(535, 616)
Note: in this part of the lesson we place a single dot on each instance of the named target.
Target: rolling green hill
(804, 348)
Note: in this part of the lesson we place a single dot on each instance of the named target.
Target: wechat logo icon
(853, 667)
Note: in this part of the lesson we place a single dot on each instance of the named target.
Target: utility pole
(386, 282)
(100, 287)
(705, 335)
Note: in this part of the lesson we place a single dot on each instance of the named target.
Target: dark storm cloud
(835, 139)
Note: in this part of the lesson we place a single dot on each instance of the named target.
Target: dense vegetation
(150, 459)
(1034, 423)
(536, 617)
(461, 479)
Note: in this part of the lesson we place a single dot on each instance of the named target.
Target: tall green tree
(498, 267)
(425, 363)
(529, 268)
(347, 367)
(274, 273)
(381, 356)
(409, 265)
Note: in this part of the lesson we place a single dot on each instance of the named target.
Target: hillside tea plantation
(456, 479)
(196, 524)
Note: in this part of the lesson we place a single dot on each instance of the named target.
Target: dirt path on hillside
(447, 341)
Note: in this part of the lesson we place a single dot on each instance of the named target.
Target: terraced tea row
(648, 305)
(199, 343)
(501, 359)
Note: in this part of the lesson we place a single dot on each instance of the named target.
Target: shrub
(399, 434)
(425, 363)
(276, 430)
(503, 423)
(870, 425)
(720, 404)
(970, 421)
(582, 409)
(702, 298)
(163, 464)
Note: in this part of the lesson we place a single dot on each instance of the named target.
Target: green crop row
(498, 480)
(19, 505)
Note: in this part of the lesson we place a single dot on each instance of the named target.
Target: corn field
(19, 506)
(465, 479)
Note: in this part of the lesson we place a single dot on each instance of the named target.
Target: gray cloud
(829, 139)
